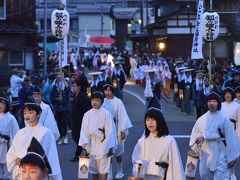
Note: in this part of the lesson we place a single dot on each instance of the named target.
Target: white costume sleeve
(110, 131)
(124, 122)
(196, 132)
(84, 133)
(51, 152)
(136, 153)
(238, 122)
(175, 167)
(51, 124)
(233, 147)
(12, 156)
(14, 128)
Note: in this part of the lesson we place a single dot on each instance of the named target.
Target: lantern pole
(60, 28)
(210, 51)
(45, 39)
(60, 64)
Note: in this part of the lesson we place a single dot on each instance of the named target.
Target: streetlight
(162, 46)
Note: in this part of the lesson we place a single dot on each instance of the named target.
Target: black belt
(234, 123)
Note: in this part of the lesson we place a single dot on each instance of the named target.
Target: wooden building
(17, 37)
(175, 22)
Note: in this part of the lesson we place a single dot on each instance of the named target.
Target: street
(180, 126)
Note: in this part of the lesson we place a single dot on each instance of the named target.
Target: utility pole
(101, 20)
(147, 15)
(45, 38)
(141, 15)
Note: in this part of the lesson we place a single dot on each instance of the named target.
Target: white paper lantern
(83, 167)
(210, 25)
(60, 23)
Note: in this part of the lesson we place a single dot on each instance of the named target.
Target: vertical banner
(197, 38)
(65, 43)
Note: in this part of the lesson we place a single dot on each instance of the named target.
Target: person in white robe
(166, 80)
(159, 69)
(123, 123)
(8, 129)
(213, 137)
(156, 154)
(47, 118)
(231, 110)
(16, 82)
(98, 137)
(237, 94)
(22, 139)
(35, 165)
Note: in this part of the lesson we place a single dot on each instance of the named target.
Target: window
(74, 25)
(16, 58)
(3, 9)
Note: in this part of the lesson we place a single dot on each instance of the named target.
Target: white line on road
(143, 101)
(138, 97)
(181, 136)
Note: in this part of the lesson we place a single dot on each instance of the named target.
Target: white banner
(197, 38)
(65, 43)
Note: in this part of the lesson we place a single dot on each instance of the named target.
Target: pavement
(179, 123)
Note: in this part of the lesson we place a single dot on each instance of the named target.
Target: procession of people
(91, 108)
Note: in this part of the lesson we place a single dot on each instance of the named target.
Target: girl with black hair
(8, 129)
(32, 112)
(156, 153)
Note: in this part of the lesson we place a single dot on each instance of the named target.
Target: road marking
(181, 136)
(136, 96)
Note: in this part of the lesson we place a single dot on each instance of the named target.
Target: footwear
(69, 131)
(65, 140)
(75, 159)
(60, 142)
(119, 175)
(110, 176)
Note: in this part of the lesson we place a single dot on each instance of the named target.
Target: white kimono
(90, 135)
(237, 101)
(123, 122)
(47, 119)
(232, 111)
(154, 149)
(21, 143)
(9, 127)
(214, 155)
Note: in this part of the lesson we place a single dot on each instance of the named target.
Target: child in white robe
(214, 138)
(156, 154)
(47, 118)
(8, 129)
(123, 123)
(21, 142)
(35, 165)
(237, 94)
(231, 110)
(98, 137)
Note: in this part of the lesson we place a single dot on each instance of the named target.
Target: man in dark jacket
(60, 100)
(80, 105)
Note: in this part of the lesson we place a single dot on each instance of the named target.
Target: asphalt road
(180, 125)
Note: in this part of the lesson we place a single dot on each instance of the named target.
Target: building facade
(174, 26)
(92, 17)
(17, 37)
